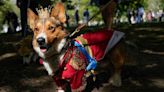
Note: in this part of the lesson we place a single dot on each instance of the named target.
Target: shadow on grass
(146, 75)
(17, 77)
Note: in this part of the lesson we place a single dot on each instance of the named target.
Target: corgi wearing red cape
(84, 53)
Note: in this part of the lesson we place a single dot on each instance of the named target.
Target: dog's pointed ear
(31, 18)
(58, 11)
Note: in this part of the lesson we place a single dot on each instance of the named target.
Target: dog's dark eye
(51, 28)
(58, 25)
(36, 29)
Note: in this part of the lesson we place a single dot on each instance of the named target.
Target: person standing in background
(140, 13)
(129, 15)
(149, 16)
(76, 16)
(23, 4)
(67, 19)
(86, 15)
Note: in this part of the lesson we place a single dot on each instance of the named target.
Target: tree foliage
(6, 6)
(124, 5)
(71, 5)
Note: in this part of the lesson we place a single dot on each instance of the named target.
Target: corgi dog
(25, 50)
(72, 63)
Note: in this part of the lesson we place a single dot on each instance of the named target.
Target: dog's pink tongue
(43, 50)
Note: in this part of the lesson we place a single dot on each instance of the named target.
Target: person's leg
(24, 22)
(108, 12)
(23, 10)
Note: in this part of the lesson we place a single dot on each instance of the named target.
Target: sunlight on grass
(152, 52)
(7, 55)
(6, 89)
(135, 82)
(151, 65)
(148, 29)
(158, 82)
(35, 82)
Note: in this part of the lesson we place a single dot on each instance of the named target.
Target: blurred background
(142, 21)
(128, 11)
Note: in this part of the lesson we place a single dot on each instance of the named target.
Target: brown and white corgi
(49, 40)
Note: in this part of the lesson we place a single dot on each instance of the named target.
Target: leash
(92, 63)
(77, 30)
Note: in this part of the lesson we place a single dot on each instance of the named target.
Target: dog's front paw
(115, 80)
(51, 73)
(26, 60)
(59, 89)
(48, 68)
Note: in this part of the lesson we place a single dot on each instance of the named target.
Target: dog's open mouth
(43, 48)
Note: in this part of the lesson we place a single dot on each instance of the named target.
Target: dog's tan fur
(47, 25)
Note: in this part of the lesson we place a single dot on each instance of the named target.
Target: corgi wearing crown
(84, 53)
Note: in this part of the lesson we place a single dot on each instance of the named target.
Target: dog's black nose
(41, 41)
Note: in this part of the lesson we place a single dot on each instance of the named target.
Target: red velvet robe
(97, 42)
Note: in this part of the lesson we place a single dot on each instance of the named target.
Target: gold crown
(43, 12)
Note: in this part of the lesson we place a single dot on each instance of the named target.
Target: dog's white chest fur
(43, 56)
